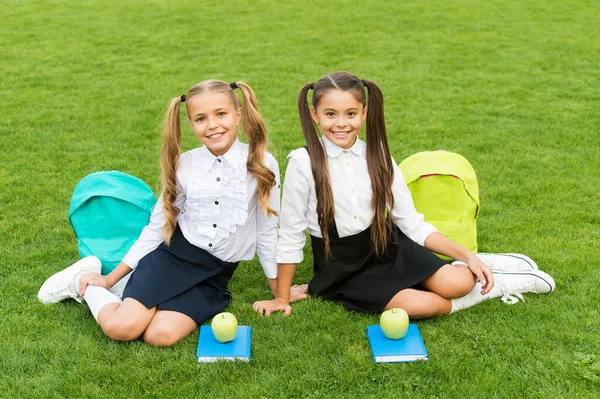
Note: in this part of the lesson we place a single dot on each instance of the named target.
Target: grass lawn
(514, 86)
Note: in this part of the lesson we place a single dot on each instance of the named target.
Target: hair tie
(364, 82)
(312, 86)
(183, 97)
(233, 85)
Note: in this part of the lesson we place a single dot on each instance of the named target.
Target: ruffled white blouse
(219, 210)
(352, 194)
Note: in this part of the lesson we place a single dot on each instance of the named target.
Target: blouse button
(355, 217)
(347, 163)
(218, 160)
(210, 245)
(218, 179)
(215, 225)
(352, 190)
(216, 202)
(345, 151)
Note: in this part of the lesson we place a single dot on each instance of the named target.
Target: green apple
(394, 323)
(224, 327)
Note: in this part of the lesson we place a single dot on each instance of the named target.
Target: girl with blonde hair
(219, 205)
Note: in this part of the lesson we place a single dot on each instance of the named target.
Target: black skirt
(183, 278)
(363, 281)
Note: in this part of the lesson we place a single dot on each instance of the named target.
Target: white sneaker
(59, 286)
(513, 284)
(508, 262)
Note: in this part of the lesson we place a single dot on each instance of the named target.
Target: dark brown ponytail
(320, 171)
(381, 169)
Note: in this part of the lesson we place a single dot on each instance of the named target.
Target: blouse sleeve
(405, 215)
(151, 236)
(293, 221)
(266, 226)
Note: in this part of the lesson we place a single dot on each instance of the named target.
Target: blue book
(407, 349)
(210, 350)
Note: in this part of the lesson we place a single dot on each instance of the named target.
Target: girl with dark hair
(219, 205)
(372, 250)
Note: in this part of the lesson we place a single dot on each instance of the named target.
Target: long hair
(379, 159)
(254, 128)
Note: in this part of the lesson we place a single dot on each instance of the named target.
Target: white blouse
(219, 209)
(352, 193)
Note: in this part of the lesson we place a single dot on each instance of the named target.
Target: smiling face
(214, 118)
(339, 116)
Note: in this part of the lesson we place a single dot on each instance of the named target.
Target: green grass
(511, 85)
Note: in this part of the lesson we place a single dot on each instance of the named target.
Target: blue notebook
(407, 349)
(210, 350)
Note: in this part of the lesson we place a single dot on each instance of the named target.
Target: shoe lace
(511, 295)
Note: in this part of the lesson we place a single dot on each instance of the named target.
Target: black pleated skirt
(363, 281)
(183, 278)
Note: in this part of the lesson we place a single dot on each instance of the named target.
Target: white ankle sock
(474, 297)
(98, 297)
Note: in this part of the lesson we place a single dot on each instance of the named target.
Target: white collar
(333, 150)
(232, 156)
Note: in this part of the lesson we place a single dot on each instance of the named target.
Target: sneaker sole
(545, 277)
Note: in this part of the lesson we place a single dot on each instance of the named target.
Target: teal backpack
(444, 188)
(108, 212)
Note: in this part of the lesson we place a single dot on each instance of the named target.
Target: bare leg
(125, 321)
(447, 283)
(167, 327)
(420, 304)
(451, 281)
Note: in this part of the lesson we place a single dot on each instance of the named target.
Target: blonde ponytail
(169, 161)
(256, 132)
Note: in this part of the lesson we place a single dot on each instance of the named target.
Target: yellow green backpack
(444, 188)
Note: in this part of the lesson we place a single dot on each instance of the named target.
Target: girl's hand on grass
(482, 272)
(92, 279)
(299, 292)
(265, 308)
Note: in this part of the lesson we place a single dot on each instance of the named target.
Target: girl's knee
(161, 334)
(451, 282)
(463, 287)
(420, 304)
(121, 330)
(459, 285)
